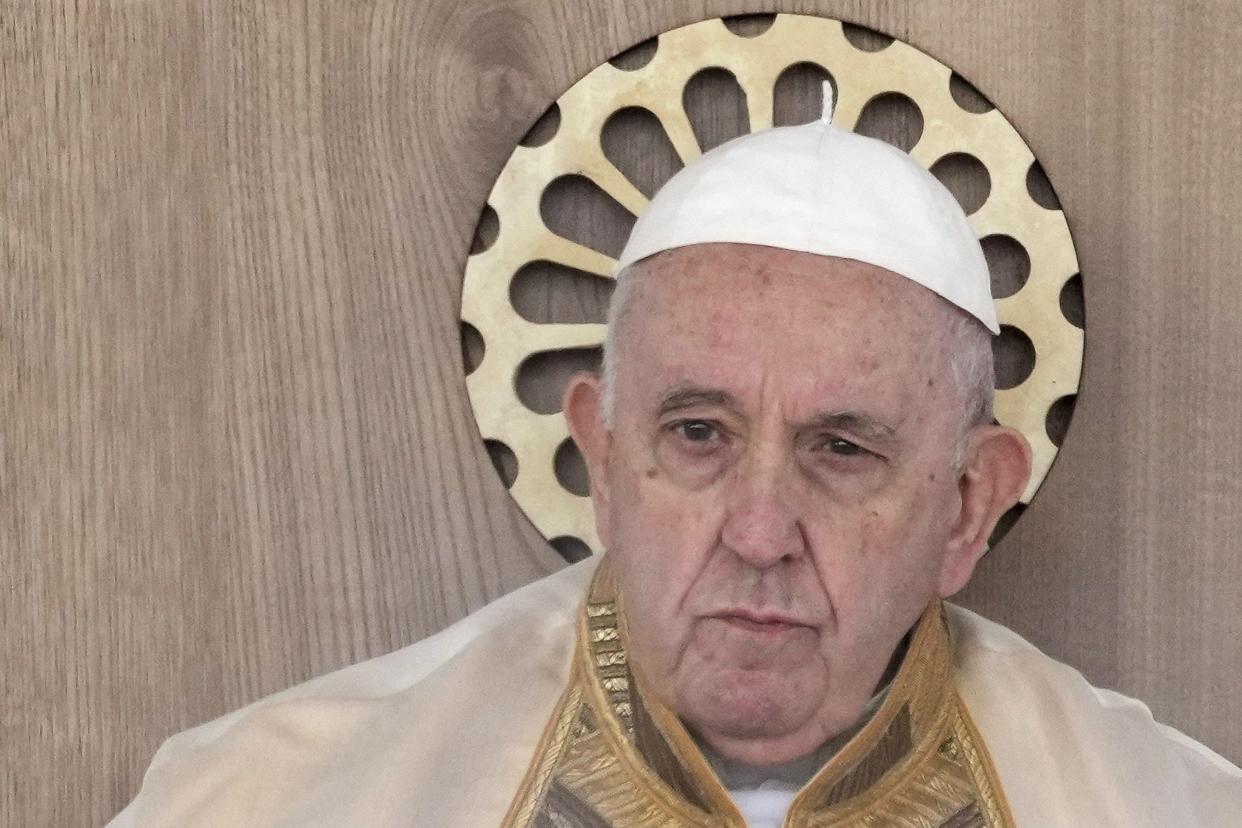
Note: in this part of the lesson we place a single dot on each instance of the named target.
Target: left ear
(995, 468)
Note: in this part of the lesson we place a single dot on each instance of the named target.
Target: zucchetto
(821, 189)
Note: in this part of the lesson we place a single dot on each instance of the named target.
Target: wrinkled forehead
(820, 330)
(754, 282)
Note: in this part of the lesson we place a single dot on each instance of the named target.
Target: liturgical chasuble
(527, 714)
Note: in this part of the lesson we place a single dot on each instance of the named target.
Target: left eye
(839, 445)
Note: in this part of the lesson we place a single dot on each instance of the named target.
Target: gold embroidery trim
(923, 672)
(688, 753)
(610, 726)
(548, 754)
(946, 769)
(992, 799)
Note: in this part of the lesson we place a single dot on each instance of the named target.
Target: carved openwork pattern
(1034, 311)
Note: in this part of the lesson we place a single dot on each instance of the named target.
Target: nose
(762, 523)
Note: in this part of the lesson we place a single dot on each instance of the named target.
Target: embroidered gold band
(611, 758)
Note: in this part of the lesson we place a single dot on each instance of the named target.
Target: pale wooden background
(236, 445)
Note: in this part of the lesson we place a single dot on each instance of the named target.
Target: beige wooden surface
(236, 449)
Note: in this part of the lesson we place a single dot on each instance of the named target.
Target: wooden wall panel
(236, 447)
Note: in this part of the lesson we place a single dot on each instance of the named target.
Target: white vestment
(440, 734)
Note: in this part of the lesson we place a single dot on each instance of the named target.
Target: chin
(748, 705)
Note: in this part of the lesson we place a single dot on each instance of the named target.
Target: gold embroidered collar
(610, 758)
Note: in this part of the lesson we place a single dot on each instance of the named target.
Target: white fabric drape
(441, 732)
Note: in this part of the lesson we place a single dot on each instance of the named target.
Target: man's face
(778, 492)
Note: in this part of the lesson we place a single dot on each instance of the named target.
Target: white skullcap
(819, 189)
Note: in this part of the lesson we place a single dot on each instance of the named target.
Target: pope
(793, 463)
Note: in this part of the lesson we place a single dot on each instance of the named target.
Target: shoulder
(1067, 751)
(375, 737)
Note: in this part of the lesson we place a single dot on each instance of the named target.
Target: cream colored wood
(757, 62)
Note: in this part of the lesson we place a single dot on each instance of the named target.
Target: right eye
(696, 431)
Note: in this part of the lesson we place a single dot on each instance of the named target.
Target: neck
(792, 775)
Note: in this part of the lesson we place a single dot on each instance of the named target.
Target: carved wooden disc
(1009, 220)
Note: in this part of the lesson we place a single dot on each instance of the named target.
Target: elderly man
(792, 461)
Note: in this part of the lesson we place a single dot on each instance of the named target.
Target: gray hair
(968, 342)
(618, 305)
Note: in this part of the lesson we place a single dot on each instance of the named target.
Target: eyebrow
(857, 422)
(864, 425)
(688, 396)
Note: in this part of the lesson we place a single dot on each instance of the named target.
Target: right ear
(584, 410)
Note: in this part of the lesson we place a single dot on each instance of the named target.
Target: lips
(760, 622)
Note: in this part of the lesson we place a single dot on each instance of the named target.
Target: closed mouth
(760, 622)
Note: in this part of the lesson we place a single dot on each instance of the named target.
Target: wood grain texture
(236, 446)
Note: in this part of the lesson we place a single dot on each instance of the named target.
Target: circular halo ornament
(757, 63)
